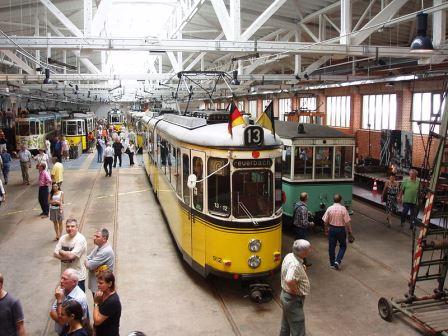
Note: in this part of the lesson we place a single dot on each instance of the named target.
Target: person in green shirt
(409, 196)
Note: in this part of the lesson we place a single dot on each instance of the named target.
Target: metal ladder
(430, 258)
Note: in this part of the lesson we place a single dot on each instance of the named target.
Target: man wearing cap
(295, 287)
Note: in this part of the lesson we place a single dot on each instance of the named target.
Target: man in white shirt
(108, 159)
(71, 250)
(68, 289)
(295, 287)
(25, 163)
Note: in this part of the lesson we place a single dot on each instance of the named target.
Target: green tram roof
(290, 130)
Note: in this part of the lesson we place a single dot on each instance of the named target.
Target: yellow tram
(115, 118)
(221, 195)
(77, 126)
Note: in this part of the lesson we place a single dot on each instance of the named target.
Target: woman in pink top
(44, 183)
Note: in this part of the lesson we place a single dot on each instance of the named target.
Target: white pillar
(297, 57)
(346, 22)
(87, 18)
(438, 25)
(48, 48)
(235, 19)
(36, 33)
(64, 59)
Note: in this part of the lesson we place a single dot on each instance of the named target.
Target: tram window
(163, 151)
(115, 119)
(218, 186)
(173, 166)
(303, 163)
(80, 128)
(324, 163)
(252, 193)
(343, 162)
(168, 161)
(185, 174)
(71, 128)
(178, 170)
(278, 183)
(34, 128)
(286, 161)
(23, 128)
(198, 192)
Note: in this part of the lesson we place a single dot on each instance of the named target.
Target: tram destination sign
(253, 136)
(252, 163)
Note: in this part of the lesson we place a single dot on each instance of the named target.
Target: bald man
(68, 289)
(11, 314)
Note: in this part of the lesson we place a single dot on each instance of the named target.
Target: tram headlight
(254, 245)
(254, 261)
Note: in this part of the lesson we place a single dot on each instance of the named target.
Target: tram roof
(196, 131)
(289, 130)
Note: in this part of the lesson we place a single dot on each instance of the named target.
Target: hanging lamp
(421, 42)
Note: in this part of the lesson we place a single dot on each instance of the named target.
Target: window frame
(373, 111)
(338, 111)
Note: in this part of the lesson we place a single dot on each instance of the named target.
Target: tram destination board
(253, 136)
(252, 163)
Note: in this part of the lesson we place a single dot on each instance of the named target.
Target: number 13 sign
(253, 136)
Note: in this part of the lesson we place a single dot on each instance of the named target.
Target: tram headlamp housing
(254, 245)
(254, 261)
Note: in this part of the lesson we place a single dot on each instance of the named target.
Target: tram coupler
(260, 293)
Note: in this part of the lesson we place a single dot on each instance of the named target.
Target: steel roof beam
(383, 16)
(62, 18)
(262, 19)
(200, 45)
(18, 61)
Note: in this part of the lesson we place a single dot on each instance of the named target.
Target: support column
(64, 60)
(438, 25)
(235, 19)
(87, 18)
(322, 27)
(36, 33)
(298, 57)
(48, 48)
(346, 22)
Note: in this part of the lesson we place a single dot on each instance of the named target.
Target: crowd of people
(79, 271)
(70, 310)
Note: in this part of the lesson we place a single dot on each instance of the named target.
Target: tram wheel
(385, 309)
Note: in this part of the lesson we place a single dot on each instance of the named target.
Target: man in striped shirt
(295, 286)
(337, 225)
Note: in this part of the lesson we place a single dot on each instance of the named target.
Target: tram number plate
(253, 136)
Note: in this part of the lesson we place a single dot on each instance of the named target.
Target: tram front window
(303, 163)
(34, 128)
(23, 128)
(115, 119)
(218, 187)
(286, 161)
(252, 193)
(324, 163)
(72, 128)
(343, 162)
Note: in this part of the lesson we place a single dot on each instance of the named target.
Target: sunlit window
(308, 104)
(338, 111)
(425, 107)
(379, 111)
(253, 108)
(284, 107)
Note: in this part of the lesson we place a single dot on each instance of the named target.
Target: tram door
(186, 196)
(197, 197)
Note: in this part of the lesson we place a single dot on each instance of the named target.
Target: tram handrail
(247, 212)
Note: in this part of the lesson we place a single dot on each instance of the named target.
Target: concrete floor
(161, 295)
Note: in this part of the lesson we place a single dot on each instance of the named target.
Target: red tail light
(283, 197)
(236, 276)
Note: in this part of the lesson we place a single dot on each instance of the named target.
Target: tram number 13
(253, 136)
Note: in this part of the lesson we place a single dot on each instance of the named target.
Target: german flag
(266, 119)
(235, 118)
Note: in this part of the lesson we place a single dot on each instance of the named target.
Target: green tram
(318, 160)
